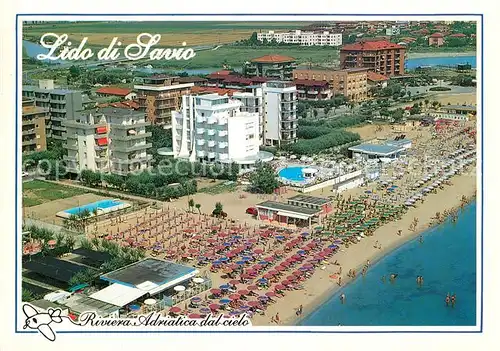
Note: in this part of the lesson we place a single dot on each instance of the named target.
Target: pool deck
(100, 211)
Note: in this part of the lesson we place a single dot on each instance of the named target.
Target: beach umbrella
(175, 309)
(243, 292)
(246, 258)
(244, 308)
(263, 298)
(263, 262)
(241, 263)
(262, 281)
(234, 282)
(214, 306)
(253, 303)
(194, 316)
(224, 287)
(234, 296)
(258, 251)
(179, 288)
(279, 287)
(270, 294)
(285, 282)
(196, 299)
(215, 291)
(273, 272)
(252, 287)
(224, 301)
(234, 313)
(205, 310)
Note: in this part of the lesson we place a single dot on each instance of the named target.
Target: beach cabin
(318, 203)
(285, 213)
(376, 151)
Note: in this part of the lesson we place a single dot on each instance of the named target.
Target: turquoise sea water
(440, 61)
(447, 261)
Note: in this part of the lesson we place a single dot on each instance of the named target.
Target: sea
(446, 259)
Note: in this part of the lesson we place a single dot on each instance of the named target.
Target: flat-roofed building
(276, 67)
(159, 95)
(33, 137)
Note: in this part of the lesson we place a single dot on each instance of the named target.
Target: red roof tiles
(371, 46)
(273, 59)
(114, 91)
(437, 35)
(220, 91)
(131, 105)
(376, 77)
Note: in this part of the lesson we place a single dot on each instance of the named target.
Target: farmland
(173, 33)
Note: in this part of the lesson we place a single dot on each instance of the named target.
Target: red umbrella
(243, 292)
(296, 257)
(194, 315)
(234, 282)
(279, 287)
(297, 273)
(270, 293)
(291, 277)
(253, 303)
(246, 276)
(175, 309)
(188, 230)
(269, 259)
(285, 264)
(258, 251)
(273, 272)
(215, 291)
(252, 287)
(234, 296)
(279, 268)
(268, 276)
(214, 306)
(285, 282)
(193, 251)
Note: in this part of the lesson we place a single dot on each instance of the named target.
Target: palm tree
(95, 213)
(86, 244)
(69, 242)
(218, 208)
(96, 243)
(191, 204)
(198, 207)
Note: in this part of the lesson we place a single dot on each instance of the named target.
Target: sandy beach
(320, 287)
(416, 55)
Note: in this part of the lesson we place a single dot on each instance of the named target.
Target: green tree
(263, 179)
(218, 208)
(191, 204)
(315, 113)
(198, 207)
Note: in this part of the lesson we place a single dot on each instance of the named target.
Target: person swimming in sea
(447, 300)
(393, 277)
(421, 239)
(453, 300)
(383, 279)
(342, 298)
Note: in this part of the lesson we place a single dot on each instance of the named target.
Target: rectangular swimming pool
(102, 206)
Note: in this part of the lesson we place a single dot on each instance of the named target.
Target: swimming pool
(102, 206)
(294, 174)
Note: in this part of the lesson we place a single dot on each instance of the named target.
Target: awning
(102, 141)
(293, 215)
(101, 130)
(118, 294)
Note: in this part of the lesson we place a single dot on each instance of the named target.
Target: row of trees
(314, 146)
(335, 123)
(63, 244)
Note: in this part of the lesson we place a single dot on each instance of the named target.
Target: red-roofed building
(276, 67)
(457, 35)
(377, 79)
(436, 39)
(381, 56)
(127, 94)
(127, 104)
(212, 90)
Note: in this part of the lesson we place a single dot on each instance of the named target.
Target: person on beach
(340, 281)
(400, 232)
(368, 263)
(300, 309)
(342, 298)
(340, 270)
(277, 318)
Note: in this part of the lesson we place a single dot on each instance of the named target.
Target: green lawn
(235, 56)
(219, 188)
(37, 192)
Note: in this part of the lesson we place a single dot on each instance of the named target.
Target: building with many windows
(212, 128)
(382, 57)
(159, 95)
(351, 83)
(276, 67)
(304, 38)
(62, 104)
(33, 126)
(280, 113)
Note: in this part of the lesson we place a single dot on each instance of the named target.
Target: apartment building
(87, 143)
(276, 67)
(62, 104)
(159, 95)
(280, 113)
(312, 90)
(212, 128)
(128, 140)
(252, 99)
(378, 56)
(304, 38)
(352, 83)
(33, 136)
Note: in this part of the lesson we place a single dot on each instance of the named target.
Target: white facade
(303, 38)
(128, 144)
(82, 144)
(212, 128)
(253, 102)
(280, 113)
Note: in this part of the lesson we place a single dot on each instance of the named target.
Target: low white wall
(331, 182)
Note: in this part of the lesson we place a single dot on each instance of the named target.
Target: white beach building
(212, 128)
(304, 38)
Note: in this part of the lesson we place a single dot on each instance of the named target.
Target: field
(37, 192)
(236, 56)
(173, 33)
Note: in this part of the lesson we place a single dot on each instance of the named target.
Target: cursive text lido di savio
(62, 49)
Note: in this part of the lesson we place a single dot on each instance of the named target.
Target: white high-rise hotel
(303, 38)
(212, 128)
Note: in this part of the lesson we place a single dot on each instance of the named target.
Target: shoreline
(321, 287)
(419, 55)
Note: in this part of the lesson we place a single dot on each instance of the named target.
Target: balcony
(222, 121)
(211, 143)
(223, 145)
(140, 159)
(223, 156)
(42, 99)
(60, 110)
(200, 130)
(222, 133)
(28, 132)
(200, 142)
(200, 153)
(212, 120)
(29, 142)
(200, 119)
(211, 131)
(211, 155)
(130, 125)
(132, 136)
(70, 158)
(137, 147)
(57, 101)
(71, 146)
(61, 128)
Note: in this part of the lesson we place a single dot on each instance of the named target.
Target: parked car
(252, 211)
(24, 174)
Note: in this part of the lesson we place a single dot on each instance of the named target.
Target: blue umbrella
(303, 269)
(263, 298)
(205, 310)
(338, 241)
(227, 244)
(368, 191)
(216, 262)
(263, 262)
(234, 313)
(245, 308)
(237, 237)
(224, 301)
(246, 258)
(280, 237)
(333, 247)
(241, 263)
(305, 234)
(301, 252)
(196, 299)
(134, 307)
(262, 280)
(224, 287)
(223, 259)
